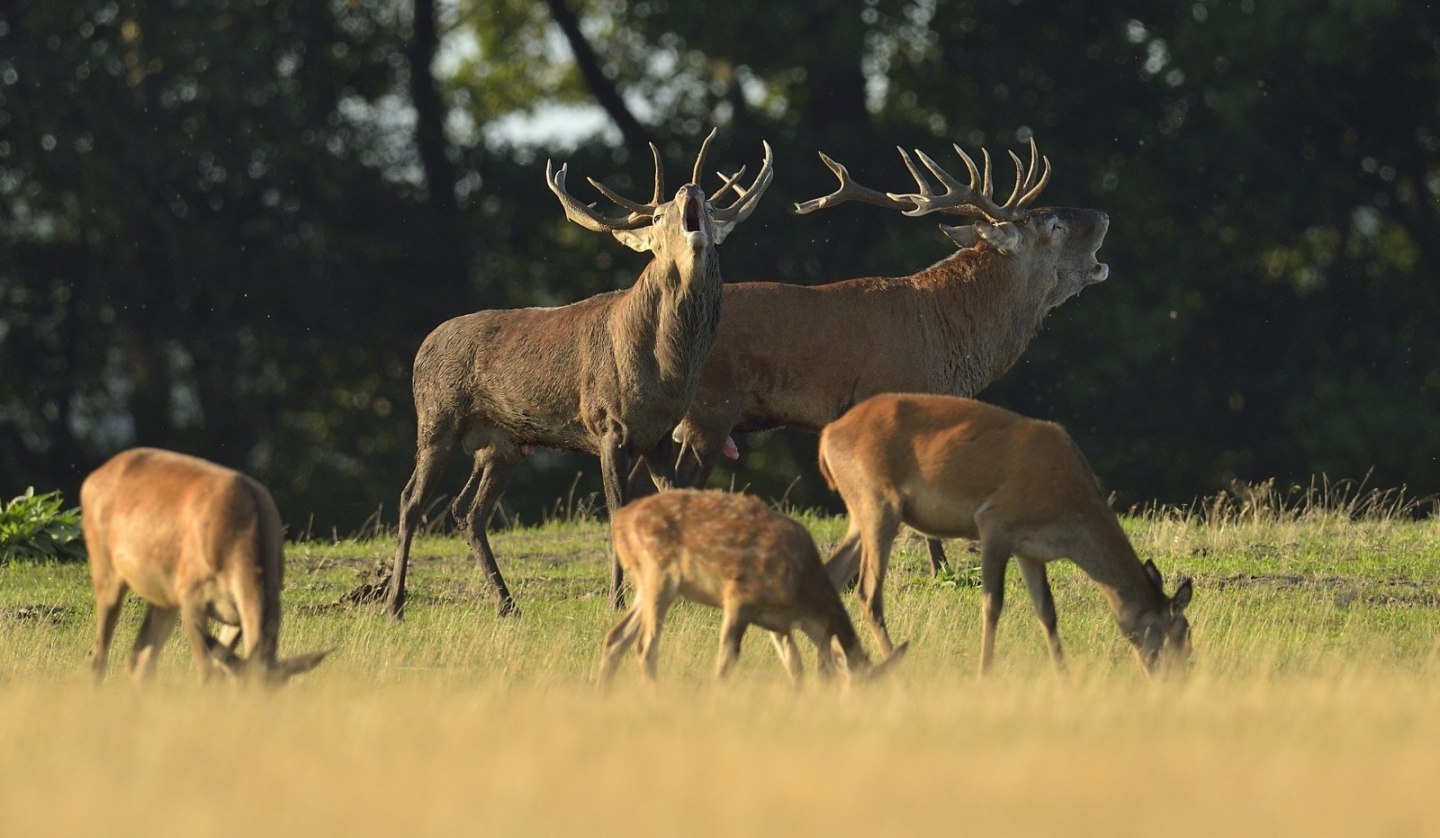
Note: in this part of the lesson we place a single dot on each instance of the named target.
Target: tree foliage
(226, 226)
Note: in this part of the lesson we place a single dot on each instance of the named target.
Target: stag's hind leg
(472, 508)
(433, 447)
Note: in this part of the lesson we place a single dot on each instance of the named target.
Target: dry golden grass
(1314, 708)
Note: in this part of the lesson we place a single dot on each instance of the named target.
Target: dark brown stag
(799, 357)
(610, 375)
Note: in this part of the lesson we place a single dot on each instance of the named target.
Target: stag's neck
(987, 313)
(673, 312)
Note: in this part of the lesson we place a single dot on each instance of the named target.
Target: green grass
(1310, 708)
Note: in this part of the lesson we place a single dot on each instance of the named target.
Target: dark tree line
(226, 226)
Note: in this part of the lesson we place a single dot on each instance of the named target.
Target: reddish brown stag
(609, 376)
(957, 468)
(799, 357)
(732, 552)
(196, 541)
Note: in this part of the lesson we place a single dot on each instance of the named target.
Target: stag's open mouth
(691, 222)
(1099, 273)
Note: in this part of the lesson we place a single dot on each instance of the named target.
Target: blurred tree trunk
(601, 86)
(445, 233)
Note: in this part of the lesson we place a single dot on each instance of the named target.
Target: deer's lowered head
(1161, 634)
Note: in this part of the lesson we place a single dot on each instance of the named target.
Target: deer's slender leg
(154, 631)
(617, 640)
(877, 535)
(994, 556)
(1038, 584)
(109, 595)
(938, 565)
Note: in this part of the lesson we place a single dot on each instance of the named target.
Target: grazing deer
(732, 552)
(610, 375)
(196, 541)
(798, 357)
(957, 468)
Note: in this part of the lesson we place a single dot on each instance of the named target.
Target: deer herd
(655, 380)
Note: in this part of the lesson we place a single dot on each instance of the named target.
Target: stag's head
(683, 230)
(1162, 636)
(1056, 245)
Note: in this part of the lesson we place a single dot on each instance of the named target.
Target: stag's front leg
(614, 469)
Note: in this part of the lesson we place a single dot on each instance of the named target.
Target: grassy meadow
(1313, 706)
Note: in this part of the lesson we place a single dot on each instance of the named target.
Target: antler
(962, 199)
(585, 214)
(746, 199)
(851, 191)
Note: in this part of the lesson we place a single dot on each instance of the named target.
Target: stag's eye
(1056, 228)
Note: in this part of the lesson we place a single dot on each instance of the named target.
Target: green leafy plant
(36, 528)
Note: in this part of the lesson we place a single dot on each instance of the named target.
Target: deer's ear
(1183, 592)
(964, 235)
(641, 240)
(1003, 236)
(1154, 573)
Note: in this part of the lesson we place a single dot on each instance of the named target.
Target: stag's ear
(723, 229)
(1003, 236)
(641, 240)
(964, 235)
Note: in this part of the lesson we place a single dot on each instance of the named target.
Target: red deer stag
(798, 357)
(957, 468)
(195, 541)
(732, 552)
(610, 375)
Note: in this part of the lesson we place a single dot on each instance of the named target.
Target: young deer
(195, 541)
(957, 468)
(732, 552)
(610, 375)
(798, 357)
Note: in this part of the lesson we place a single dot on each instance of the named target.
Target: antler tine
(1034, 191)
(987, 186)
(659, 178)
(1020, 179)
(920, 182)
(585, 215)
(700, 159)
(747, 199)
(730, 182)
(850, 191)
(957, 195)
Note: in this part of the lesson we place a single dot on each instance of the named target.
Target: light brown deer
(732, 552)
(609, 376)
(196, 541)
(798, 357)
(957, 468)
